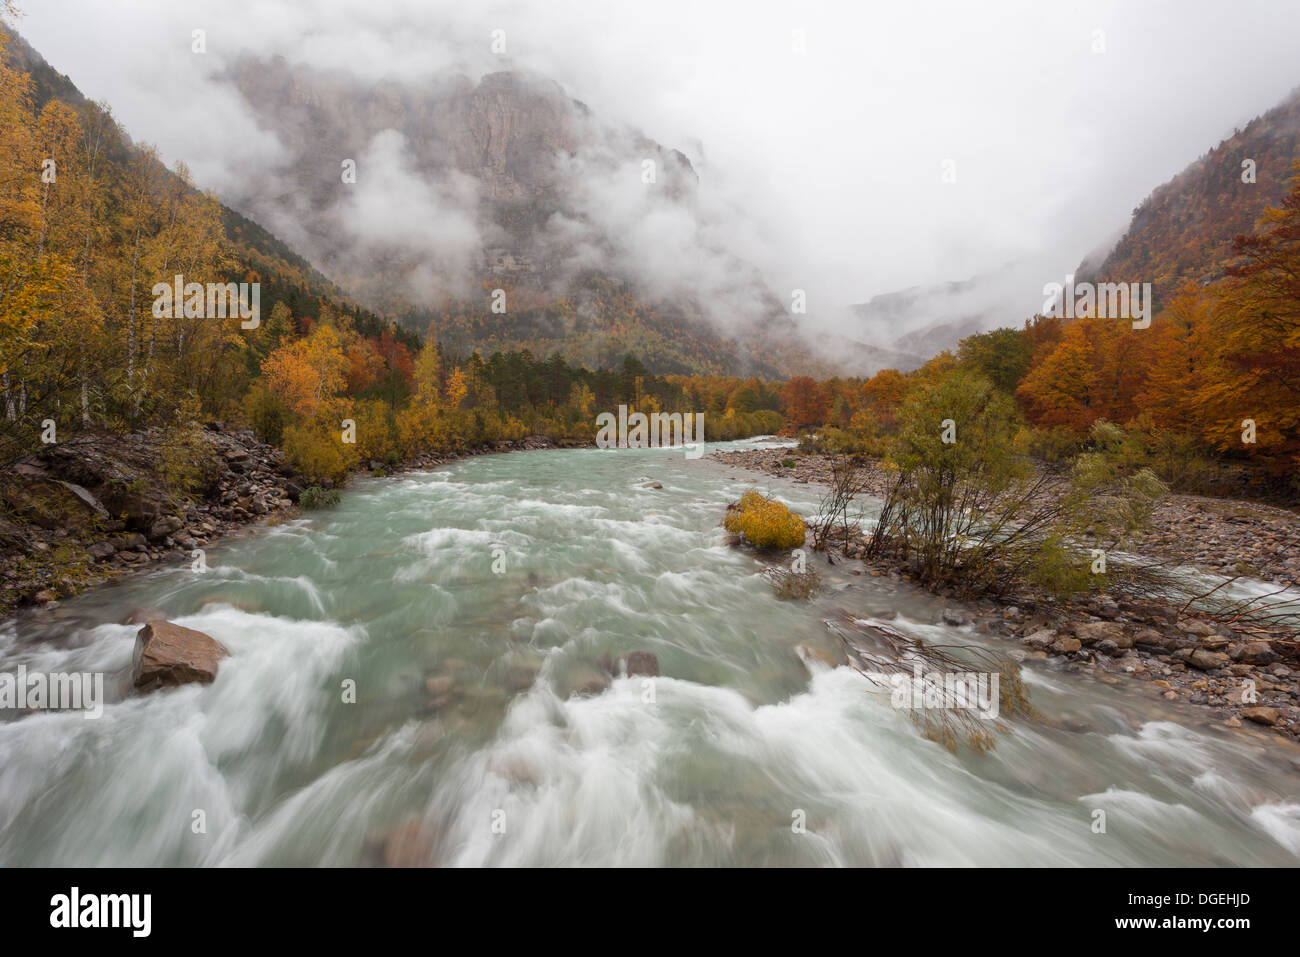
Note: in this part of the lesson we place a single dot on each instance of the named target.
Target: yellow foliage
(424, 428)
(306, 372)
(376, 433)
(764, 522)
(317, 449)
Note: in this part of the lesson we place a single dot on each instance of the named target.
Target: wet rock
(438, 685)
(164, 527)
(1111, 631)
(584, 680)
(954, 617)
(1150, 638)
(1040, 639)
(1254, 652)
(85, 498)
(413, 844)
(167, 655)
(1262, 715)
(1194, 626)
(102, 551)
(1064, 646)
(808, 654)
(1150, 611)
(1208, 660)
(639, 663)
(1106, 608)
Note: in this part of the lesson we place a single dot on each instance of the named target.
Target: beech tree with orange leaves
(1255, 374)
(306, 372)
(805, 402)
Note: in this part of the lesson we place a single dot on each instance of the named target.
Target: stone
(639, 663)
(438, 686)
(411, 845)
(1040, 639)
(1152, 639)
(86, 498)
(167, 655)
(584, 680)
(1063, 646)
(1254, 652)
(1107, 608)
(1208, 660)
(102, 551)
(1262, 715)
(1194, 626)
(954, 617)
(164, 527)
(807, 654)
(1150, 611)
(1094, 631)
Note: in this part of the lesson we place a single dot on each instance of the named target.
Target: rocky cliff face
(518, 137)
(508, 182)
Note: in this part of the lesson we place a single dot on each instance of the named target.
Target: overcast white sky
(836, 153)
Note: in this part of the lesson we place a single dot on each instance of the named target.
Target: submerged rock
(639, 663)
(167, 655)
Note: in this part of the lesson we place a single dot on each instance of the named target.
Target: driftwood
(932, 682)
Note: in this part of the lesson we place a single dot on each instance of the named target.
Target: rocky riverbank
(1245, 676)
(1225, 536)
(98, 507)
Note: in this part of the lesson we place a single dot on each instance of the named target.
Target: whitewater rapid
(511, 575)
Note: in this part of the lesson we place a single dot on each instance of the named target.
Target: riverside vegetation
(1048, 555)
(127, 433)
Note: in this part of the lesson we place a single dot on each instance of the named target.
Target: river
(507, 577)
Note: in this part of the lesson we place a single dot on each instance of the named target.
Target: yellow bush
(376, 431)
(764, 522)
(316, 448)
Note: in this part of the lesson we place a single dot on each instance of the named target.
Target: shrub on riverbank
(764, 522)
(968, 510)
(317, 497)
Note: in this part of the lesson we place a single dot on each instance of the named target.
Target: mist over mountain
(463, 187)
(921, 321)
(1183, 230)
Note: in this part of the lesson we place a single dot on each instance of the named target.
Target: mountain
(601, 240)
(1183, 231)
(921, 321)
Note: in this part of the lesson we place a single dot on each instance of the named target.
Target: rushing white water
(710, 764)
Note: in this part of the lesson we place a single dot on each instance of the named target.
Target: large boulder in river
(167, 655)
